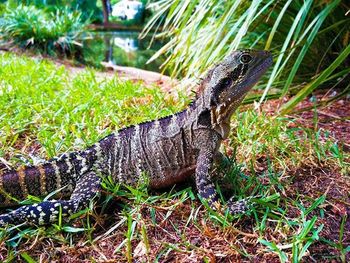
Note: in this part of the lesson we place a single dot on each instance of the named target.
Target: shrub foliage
(28, 26)
(309, 39)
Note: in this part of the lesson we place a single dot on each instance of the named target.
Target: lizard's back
(161, 152)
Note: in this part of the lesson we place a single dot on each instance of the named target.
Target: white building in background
(127, 9)
(127, 44)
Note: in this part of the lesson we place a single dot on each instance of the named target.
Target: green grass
(42, 105)
(45, 111)
(282, 140)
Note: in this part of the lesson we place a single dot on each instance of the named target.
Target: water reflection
(127, 44)
(121, 48)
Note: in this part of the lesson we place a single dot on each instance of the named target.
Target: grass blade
(314, 84)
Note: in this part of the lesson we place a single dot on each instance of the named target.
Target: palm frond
(304, 36)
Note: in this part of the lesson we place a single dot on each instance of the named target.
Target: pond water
(122, 48)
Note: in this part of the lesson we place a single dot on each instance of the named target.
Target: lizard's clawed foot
(239, 207)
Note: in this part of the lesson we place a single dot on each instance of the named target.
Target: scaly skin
(167, 150)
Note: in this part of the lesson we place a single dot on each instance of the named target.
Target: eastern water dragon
(167, 150)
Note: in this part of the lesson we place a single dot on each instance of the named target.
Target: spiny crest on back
(202, 85)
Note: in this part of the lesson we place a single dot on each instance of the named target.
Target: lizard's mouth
(254, 76)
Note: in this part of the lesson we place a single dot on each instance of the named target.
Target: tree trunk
(105, 4)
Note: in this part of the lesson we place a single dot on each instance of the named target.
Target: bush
(28, 26)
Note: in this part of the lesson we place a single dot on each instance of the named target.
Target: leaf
(315, 26)
(273, 247)
(71, 229)
(27, 258)
(314, 84)
(278, 67)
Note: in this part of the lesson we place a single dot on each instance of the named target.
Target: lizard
(168, 150)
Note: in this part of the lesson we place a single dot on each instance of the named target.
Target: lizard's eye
(226, 82)
(245, 58)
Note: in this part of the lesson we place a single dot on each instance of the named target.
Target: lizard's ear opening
(204, 118)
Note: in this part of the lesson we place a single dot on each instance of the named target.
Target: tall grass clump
(309, 39)
(30, 27)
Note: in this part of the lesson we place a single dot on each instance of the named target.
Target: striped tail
(61, 172)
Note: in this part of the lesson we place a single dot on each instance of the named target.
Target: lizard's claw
(239, 207)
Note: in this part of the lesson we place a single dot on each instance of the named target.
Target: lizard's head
(229, 81)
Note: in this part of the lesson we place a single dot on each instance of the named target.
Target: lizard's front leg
(205, 186)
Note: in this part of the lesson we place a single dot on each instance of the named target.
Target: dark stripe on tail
(50, 180)
(2, 195)
(11, 185)
(32, 181)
